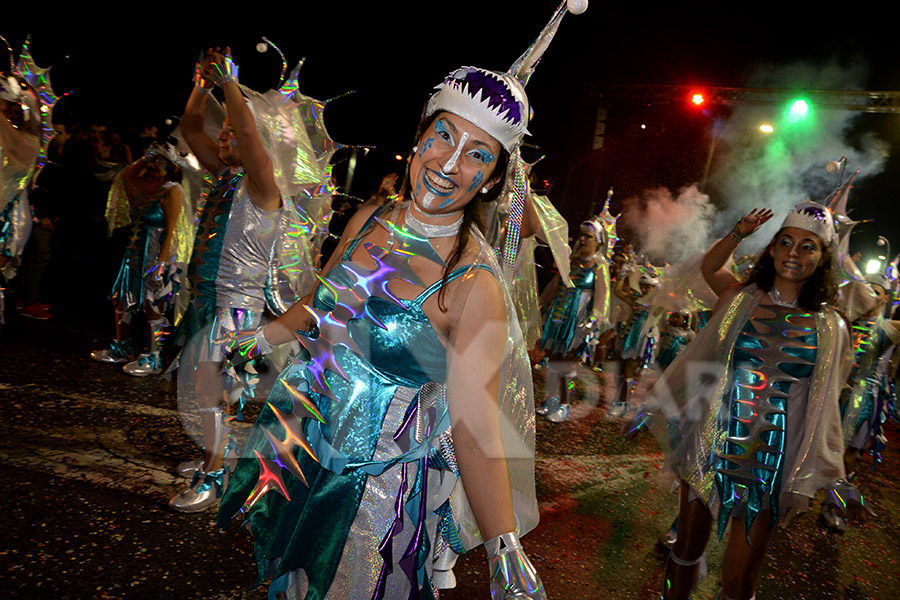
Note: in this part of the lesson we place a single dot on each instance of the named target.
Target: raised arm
(713, 267)
(206, 151)
(255, 161)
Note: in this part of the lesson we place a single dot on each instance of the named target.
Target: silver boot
(188, 468)
(146, 364)
(205, 491)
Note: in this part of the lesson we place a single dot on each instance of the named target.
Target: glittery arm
(254, 160)
(192, 129)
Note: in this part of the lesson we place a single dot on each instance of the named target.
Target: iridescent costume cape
(17, 169)
(774, 450)
(349, 481)
(863, 403)
(555, 232)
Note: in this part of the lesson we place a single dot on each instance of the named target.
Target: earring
(484, 190)
(415, 148)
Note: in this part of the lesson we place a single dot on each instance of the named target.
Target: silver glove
(513, 577)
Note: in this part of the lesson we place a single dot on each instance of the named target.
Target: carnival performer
(149, 195)
(574, 314)
(748, 414)
(637, 336)
(863, 405)
(26, 106)
(674, 337)
(237, 230)
(408, 435)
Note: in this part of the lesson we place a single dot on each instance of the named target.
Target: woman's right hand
(752, 221)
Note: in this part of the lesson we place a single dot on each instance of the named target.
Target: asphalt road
(88, 455)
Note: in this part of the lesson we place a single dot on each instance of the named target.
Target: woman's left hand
(513, 577)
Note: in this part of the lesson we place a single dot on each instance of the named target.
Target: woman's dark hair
(472, 213)
(819, 289)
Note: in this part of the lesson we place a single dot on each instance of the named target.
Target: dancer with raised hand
(229, 267)
(748, 413)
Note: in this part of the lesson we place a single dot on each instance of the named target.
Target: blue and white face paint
(453, 161)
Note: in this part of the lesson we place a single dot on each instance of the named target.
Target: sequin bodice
(232, 249)
(406, 350)
(771, 354)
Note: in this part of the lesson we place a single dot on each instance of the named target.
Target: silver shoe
(560, 415)
(831, 520)
(666, 541)
(548, 406)
(204, 492)
(146, 364)
(190, 501)
(105, 356)
(618, 410)
(188, 468)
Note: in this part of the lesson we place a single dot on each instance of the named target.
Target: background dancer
(574, 314)
(636, 339)
(229, 266)
(771, 350)
(148, 194)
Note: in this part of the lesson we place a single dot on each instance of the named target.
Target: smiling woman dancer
(411, 336)
(761, 433)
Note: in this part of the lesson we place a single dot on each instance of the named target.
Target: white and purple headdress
(494, 101)
(596, 229)
(813, 217)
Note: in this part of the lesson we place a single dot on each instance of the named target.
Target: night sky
(137, 70)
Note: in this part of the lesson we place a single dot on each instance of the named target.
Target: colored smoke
(669, 227)
(751, 169)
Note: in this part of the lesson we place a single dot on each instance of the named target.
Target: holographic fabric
(571, 307)
(373, 480)
(767, 362)
(232, 248)
(863, 404)
(147, 234)
(633, 339)
(16, 223)
(671, 342)
(687, 415)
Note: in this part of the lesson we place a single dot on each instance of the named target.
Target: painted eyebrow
(806, 239)
(475, 142)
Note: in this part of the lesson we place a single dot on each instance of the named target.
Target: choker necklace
(433, 231)
(412, 203)
(775, 296)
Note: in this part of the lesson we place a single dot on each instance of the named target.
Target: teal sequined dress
(147, 235)
(570, 307)
(767, 363)
(362, 520)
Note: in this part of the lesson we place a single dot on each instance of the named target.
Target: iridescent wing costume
(863, 404)
(22, 152)
(748, 414)
(349, 473)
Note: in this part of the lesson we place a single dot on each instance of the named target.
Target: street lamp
(873, 266)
